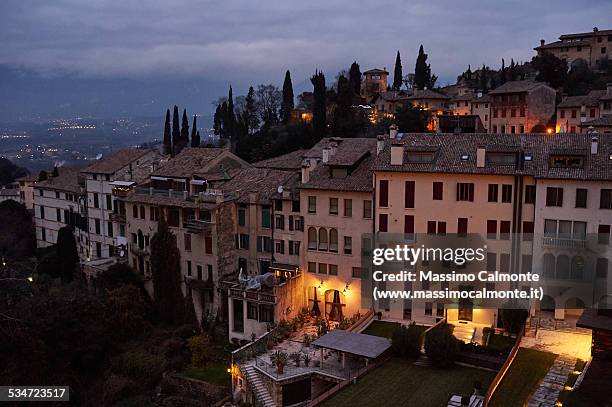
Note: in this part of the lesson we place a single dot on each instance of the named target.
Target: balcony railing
(197, 226)
(253, 295)
(563, 243)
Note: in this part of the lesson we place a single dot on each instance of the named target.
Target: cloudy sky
(254, 41)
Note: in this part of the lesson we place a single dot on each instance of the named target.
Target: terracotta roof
(289, 161)
(67, 180)
(465, 97)
(9, 192)
(191, 161)
(585, 34)
(393, 95)
(376, 70)
(517, 87)
(116, 161)
(263, 181)
(605, 121)
(427, 94)
(561, 44)
(449, 149)
(482, 99)
(592, 99)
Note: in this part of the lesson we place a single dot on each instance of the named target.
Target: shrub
(139, 364)
(513, 318)
(441, 347)
(406, 342)
(201, 349)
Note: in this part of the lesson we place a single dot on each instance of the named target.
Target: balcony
(253, 295)
(197, 226)
(563, 243)
(120, 192)
(117, 217)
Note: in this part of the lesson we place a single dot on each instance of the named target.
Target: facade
(10, 192)
(58, 202)
(374, 82)
(574, 111)
(519, 107)
(26, 190)
(481, 106)
(388, 102)
(103, 180)
(461, 105)
(588, 47)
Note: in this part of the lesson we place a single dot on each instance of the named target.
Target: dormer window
(567, 161)
(501, 158)
(420, 156)
(465, 157)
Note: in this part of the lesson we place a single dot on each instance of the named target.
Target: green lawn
(214, 373)
(381, 328)
(400, 383)
(525, 374)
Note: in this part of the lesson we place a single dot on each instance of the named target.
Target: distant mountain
(27, 96)
(9, 171)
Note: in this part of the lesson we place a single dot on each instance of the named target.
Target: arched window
(577, 268)
(142, 212)
(323, 242)
(549, 265)
(141, 240)
(135, 211)
(563, 267)
(312, 238)
(333, 240)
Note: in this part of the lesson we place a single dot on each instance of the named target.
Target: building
(387, 103)
(26, 190)
(336, 201)
(519, 107)
(588, 47)
(374, 82)
(461, 105)
(60, 201)
(121, 169)
(481, 106)
(601, 125)
(574, 111)
(10, 192)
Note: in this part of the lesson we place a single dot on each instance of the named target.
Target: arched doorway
(549, 265)
(313, 301)
(547, 304)
(574, 306)
(333, 305)
(563, 267)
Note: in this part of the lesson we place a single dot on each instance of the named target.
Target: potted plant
(306, 359)
(279, 359)
(296, 357)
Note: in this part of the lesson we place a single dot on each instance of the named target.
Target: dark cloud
(255, 41)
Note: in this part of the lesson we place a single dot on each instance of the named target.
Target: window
(98, 249)
(333, 240)
(280, 222)
(409, 195)
(462, 226)
(40, 192)
(312, 267)
(428, 308)
(530, 194)
(242, 215)
(465, 191)
(431, 227)
(109, 228)
(348, 208)
(333, 206)
(266, 313)
(264, 244)
(243, 241)
(493, 192)
(265, 217)
(294, 247)
(279, 246)
(504, 263)
(506, 193)
(251, 310)
(312, 204)
(348, 245)
(109, 202)
(322, 268)
(409, 226)
(188, 267)
(58, 215)
(581, 198)
(187, 242)
(562, 113)
(603, 234)
(333, 269)
(438, 191)
(95, 199)
(573, 113)
(367, 209)
(142, 212)
(278, 205)
(566, 161)
(441, 228)
(522, 114)
(43, 234)
(601, 268)
(383, 193)
(295, 205)
(554, 196)
(208, 244)
(323, 242)
(528, 229)
(605, 199)
(491, 261)
(383, 219)
(97, 226)
(358, 272)
(491, 229)
(312, 238)
(504, 230)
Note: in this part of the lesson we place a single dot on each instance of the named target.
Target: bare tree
(269, 99)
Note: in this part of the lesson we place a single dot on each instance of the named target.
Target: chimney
(393, 129)
(380, 143)
(333, 147)
(542, 42)
(594, 143)
(397, 154)
(305, 172)
(480, 157)
(326, 154)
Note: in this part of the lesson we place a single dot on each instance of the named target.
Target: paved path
(547, 394)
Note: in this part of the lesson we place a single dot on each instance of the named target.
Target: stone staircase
(464, 333)
(261, 392)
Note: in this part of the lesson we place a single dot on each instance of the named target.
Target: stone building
(374, 82)
(588, 47)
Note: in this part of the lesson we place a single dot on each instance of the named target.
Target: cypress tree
(355, 78)
(184, 129)
(167, 143)
(55, 172)
(397, 73)
(176, 131)
(502, 73)
(165, 267)
(195, 140)
(230, 118)
(422, 72)
(484, 80)
(342, 124)
(287, 102)
(318, 106)
(250, 110)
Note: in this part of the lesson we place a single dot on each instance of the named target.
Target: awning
(367, 346)
(122, 183)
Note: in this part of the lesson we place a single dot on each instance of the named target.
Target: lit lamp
(346, 289)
